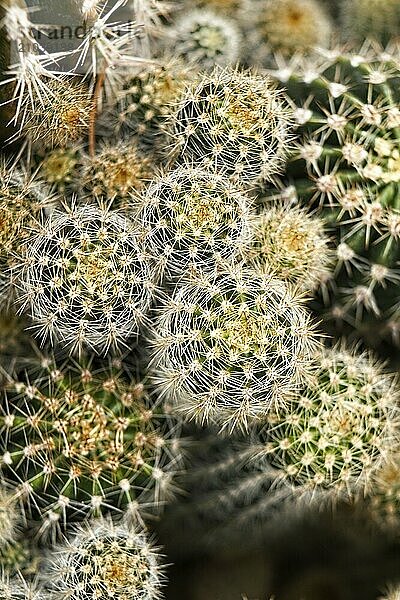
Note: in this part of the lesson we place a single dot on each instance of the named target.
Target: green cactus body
(76, 441)
(347, 166)
(341, 427)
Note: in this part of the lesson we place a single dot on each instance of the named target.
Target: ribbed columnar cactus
(291, 244)
(230, 347)
(340, 429)
(85, 279)
(233, 120)
(363, 19)
(205, 38)
(284, 26)
(76, 441)
(192, 217)
(105, 560)
(347, 167)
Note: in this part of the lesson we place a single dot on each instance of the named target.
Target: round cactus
(116, 170)
(229, 347)
(60, 115)
(22, 201)
(105, 560)
(285, 26)
(340, 428)
(291, 244)
(78, 441)
(144, 103)
(233, 120)
(192, 217)
(347, 167)
(361, 19)
(205, 39)
(59, 167)
(85, 279)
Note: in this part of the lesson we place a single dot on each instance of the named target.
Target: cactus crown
(116, 170)
(341, 428)
(86, 279)
(233, 120)
(290, 243)
(206, 38)
(194, 216)
(287, 26)
(60, 115)
(228, 347)
(106, 560)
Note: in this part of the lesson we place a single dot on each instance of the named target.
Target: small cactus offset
(346, 167)
(290, 243)
(206, 39)
(191, 218)
(77, 440)
(105, 560)
(230, 347)
(284, 26)
(233, 120)
(363, 19)
(85, 279)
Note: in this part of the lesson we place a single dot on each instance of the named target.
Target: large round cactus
(347, 166)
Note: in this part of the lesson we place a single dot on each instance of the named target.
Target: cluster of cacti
(172, 218)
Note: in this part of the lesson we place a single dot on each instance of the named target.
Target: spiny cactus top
(18, 588)
(348, 167)
(85, 279)
(105, 560)
(284, 26)
(59, 115)
(205, 38)
(361, 19)
(291, 244)
(21, 200)
(232, 120)
(229, 347)
(144, 102)
(116, 170)
(76, 441)
(192, 216)
(340, 429)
